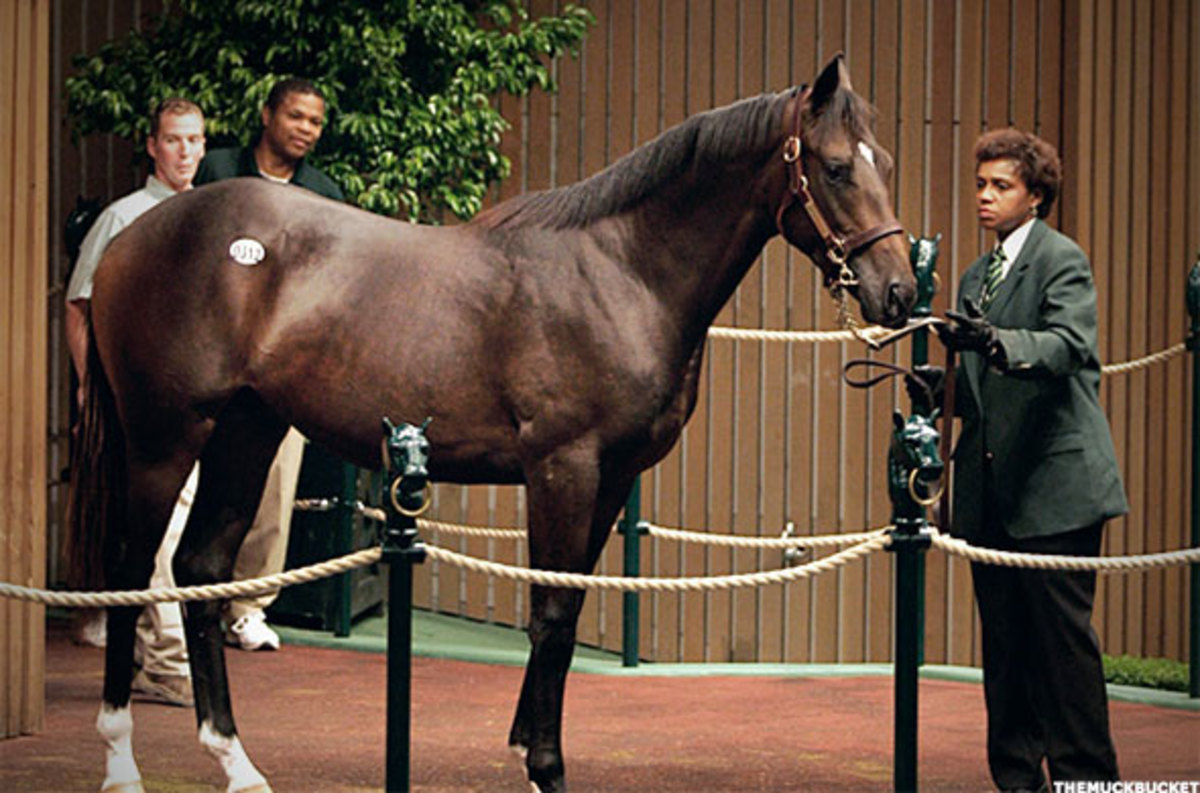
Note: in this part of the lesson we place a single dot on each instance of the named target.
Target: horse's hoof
(262, 787)
(124, 787)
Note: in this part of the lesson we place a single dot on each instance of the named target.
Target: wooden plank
(1023, 97)
(10, 615)
(959, 249)
(797, 427)
(1157, 138)
(1119, 349)
(997, 69)
(773, 382)
(670, 480)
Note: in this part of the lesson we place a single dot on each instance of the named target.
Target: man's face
(1002, 198)
(293, 128)
(177, 149)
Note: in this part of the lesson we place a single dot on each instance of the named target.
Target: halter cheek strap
(838, 249)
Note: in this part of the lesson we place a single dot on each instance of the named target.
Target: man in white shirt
(176, 144)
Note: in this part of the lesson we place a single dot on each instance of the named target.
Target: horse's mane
(715, 135)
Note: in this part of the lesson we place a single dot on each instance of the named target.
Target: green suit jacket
(1035, 455)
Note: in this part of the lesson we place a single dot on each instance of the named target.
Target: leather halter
(838, 249)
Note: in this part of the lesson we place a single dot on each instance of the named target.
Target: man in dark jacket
(1034, 470)
(292, 121)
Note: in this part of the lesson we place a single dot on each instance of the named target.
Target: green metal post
(401, 549)
(398, 549)
(923, 254)
(1193, 304)
(632, 530)
(910, 540)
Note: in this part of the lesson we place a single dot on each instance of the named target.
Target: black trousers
(1042, 671)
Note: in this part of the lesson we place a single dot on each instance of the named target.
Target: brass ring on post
(912, 489)
(410, 513)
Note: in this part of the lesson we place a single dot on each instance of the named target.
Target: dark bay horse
(555, 340)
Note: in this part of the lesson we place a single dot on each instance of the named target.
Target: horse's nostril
(900, 299)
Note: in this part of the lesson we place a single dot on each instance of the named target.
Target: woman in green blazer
(1034, 470)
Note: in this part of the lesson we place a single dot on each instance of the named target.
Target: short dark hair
(291, 85)
(176, 106)
(1037, 161)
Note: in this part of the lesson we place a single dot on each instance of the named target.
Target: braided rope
(1141, 363)
(230, 589)
(1112, 564)
(735, 541)
(663, 532)
(625, 584)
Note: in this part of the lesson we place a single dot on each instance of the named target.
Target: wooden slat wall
(1114, 84)
(24, 155)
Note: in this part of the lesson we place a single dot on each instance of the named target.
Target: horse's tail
(97, 500)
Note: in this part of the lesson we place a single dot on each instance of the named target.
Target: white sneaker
(251, 632)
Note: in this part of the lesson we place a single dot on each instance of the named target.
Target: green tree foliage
(412, 126)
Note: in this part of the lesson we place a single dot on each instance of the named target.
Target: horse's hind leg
(570, 516)
(129, 562)
(233, 470)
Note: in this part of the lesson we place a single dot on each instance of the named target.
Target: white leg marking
(240, 772)
(115, 726)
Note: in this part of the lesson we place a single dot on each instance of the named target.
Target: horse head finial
(914, 464)
(406, 459)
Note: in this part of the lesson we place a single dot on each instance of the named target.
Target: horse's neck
(693, 254)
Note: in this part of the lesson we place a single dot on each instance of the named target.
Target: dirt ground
(313, 719)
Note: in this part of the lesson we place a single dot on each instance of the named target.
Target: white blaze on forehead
(867, 152)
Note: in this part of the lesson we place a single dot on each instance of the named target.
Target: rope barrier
(229, 589)
(662, 532)
(865, 543)
(1039, 561)
(627, 584)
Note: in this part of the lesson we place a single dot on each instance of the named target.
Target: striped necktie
(995, 274)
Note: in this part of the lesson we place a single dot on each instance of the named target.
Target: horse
(555, 340)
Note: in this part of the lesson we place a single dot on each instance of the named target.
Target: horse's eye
(838, 172)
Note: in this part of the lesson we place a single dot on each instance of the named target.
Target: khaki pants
(160, 646)
(264, 551)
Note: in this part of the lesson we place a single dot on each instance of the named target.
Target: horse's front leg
(570, 515)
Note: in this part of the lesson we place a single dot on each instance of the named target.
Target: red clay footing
(313, 720)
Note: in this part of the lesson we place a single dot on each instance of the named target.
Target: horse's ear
(911, 239)
(832, 78)
(937, 412)
(937, 238)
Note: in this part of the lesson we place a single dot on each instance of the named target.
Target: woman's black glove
(925, 387)
(971, 332)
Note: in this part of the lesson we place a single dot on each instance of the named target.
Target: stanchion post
(909, 542)
(923, 253)
(631, 529)
(401, 549)
(1193, 344)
